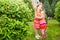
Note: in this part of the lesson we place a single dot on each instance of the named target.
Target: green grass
(53, 31)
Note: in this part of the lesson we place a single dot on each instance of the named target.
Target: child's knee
(43, 31)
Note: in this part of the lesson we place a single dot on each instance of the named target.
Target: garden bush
(14, 18)
(57, 11)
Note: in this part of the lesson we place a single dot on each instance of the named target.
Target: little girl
(39, 21)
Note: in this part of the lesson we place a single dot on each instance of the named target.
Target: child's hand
(39, 17)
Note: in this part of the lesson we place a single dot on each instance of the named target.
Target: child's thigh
(43, 30)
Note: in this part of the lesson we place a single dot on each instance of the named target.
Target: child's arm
(37, 13)
(42, 15)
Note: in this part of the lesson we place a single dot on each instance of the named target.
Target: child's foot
(37, 36)
(43, 36)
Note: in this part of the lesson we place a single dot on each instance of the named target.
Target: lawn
(53, 31)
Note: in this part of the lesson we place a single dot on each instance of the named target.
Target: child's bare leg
(37, 33)
(43, 33)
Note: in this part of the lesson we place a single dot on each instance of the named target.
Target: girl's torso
(42, 17)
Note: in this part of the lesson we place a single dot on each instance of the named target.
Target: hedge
(14, 18)
(57, 11)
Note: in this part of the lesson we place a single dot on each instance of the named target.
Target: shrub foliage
(57, 11)
(14, 18)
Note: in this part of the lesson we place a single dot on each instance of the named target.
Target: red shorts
(38, 25)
